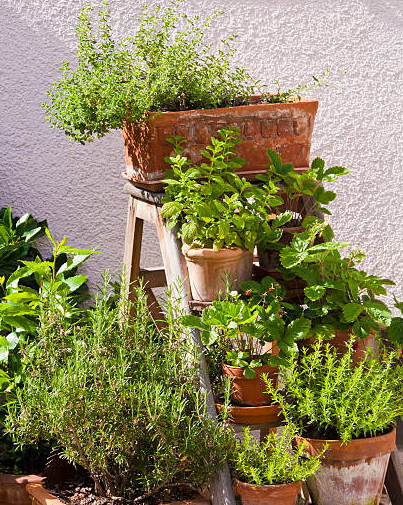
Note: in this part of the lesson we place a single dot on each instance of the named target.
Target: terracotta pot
(250, 392)
(285, 127)
(339, 341)
(352, 472)
(13, 488)
(263, 414)
(280, 494)
(207, 270)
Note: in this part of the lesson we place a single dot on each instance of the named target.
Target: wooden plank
(153, 277)
(394, 473)
(132, 251)
(158, 186)
(394, 478)
(146, 211)
(176, 272)
(155, 309)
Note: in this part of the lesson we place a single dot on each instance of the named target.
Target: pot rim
(282, 105)
(257, 369)
(208, 252)
(267, 486)
(354, 450)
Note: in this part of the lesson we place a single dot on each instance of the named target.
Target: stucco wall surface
(79, 188)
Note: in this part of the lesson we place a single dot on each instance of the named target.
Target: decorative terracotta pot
(285, 127)
(352, 472)
(279, 494)
(207, 270)
(263, 414)
(250, 392)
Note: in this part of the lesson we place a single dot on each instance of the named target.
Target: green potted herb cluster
(220, 216)
(303, 195)
(166, 79)
(349, 407)
(270, 472)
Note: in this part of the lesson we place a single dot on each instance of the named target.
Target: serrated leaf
(171, 209)
(378, 311)
(297, 329)
(314, 292)
(395, 331)
(189, 232)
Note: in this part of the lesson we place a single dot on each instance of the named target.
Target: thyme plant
(273, 461)
(166, 65)
(326, 395)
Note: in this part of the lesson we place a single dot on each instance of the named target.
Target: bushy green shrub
(120, 397)
(333, 397)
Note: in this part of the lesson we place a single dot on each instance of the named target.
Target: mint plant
(212, 205)
(329, 396)
(274, 461)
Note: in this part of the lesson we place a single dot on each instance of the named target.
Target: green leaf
(395, 331)
(171, 209)
(192, 322)
(72, 263)
(378, 311)
(314, 292)
(189, 232)
(297, 329)
(75, 282)
(275, 158)
(351, 311)
(282, 219)
(290, 258)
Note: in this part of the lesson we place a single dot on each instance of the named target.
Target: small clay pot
(207, 270)
(250, 392)
(278, 494)
(352, 472)
(263, 414)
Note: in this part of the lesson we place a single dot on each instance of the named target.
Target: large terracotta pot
(207, 270)
(250, 392)
(285, 127)
(279, 494)
(352, 473)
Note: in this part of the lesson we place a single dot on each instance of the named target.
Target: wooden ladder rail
(146, 206)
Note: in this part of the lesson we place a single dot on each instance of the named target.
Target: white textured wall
(79, 189)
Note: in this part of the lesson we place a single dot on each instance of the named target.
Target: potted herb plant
(253, 338)
(348, 407)
(302, 194)
(220, 216)
(339, 298)
(271, 472)
(166, 80)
